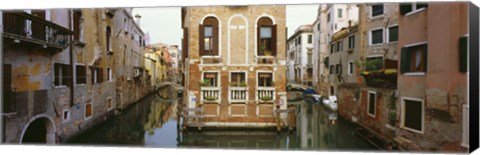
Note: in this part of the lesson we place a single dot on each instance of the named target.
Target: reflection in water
(153, 122)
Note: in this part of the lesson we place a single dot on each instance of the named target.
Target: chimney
(137, 16)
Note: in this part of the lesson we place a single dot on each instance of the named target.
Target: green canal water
(153, 123)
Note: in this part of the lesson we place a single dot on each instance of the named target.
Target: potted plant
(268, 53)
(243, 84)
(233, 84)
(272, 83)
(210, 98)
(266, 98)
(204, 83)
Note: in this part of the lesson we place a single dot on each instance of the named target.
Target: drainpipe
(71, 61)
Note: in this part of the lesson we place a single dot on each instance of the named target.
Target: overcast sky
(163, 23)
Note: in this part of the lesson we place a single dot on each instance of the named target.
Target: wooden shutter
(7, 88)
(425, 57)
(76, 24)
(404, 60)
(274, 40)
(67, 73)
(463, 48)
(405, 8)
(258, 39)
(201, 42)
(215, 37)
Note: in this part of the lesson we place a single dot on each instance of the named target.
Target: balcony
(265, 94)
(382, 78)
(23, 27)
(265, 60)
(210, 95)
(237, 94)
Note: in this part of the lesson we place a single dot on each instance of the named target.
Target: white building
(300, 53)
(320, 44)
(338, 16)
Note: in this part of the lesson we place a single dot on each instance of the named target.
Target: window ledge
(210, 56)
(79, 85)
(377, 17)
(412, 130)
(415, 12)
(377, 44)
(415, 74)
(61, 86)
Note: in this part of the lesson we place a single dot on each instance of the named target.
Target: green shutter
(404, 60)
(463, 47)
(425, 56)
(405, 8)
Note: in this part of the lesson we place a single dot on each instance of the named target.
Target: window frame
(409, 72)
(245, 74)
(402, 114)
(85, 117)
(77, 76)
(350, 67)
(414, 9)
(309, 39)
(339, 12)
(374, 103)
(370, 36)
(351, 42)
(63, 76)
(388, 33)
(262, 22)
(338, 69)
(111, 99)
(377, 16)
(215, 50)
(65, 120)
(258, 78)
(109, 74)
(218, 79)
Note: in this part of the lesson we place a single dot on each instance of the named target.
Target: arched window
(208, 38)
(266, 37)
(108, 34)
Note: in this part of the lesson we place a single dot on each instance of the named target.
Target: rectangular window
(309, 39)
(372, 102)
(376, 36)
(331, 69)
(237, 78)
(338, 69)
(414, 59)
(212, 78)
(109, 74)
(77, 15)
(350, 67)
(97, 74)
(208, 39)
(351, 42)
(109, 104)
(66, 115)
(393, 34)
(81, 74)
(61, 72)
(328, 17)
(265, 79)
(265, 40)
(88, 110)
(412, 115)
(339, 13)
(377, 10)
(299, 40)
(332, 48)
(406, 8)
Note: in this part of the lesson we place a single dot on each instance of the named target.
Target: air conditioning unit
(136, 72)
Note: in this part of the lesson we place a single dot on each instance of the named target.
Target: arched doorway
(39, 131)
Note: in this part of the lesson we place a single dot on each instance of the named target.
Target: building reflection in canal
(153, 123)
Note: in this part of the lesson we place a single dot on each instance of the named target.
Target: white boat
(331, 103)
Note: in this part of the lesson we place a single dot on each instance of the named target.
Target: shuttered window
(265, 79)
(463, 49)
(88, 110)
(108, 33)
(208, 37)
(351, 42)
(377, 10)
(77, 15)
(266, 37)
(372, 102)
(97, 75)
(237, 78)
(414, 59)
(81, 74)
(376, 36)
(413, 115)
(393, 34)
(410, 7)
(62, 74)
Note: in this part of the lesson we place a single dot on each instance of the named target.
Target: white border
(402, 116)
(370, 36)
(370, 9)
(219, 35)
(352, 68)
(388, 33)
(368, 104)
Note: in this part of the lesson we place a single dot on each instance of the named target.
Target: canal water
(153, 123)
